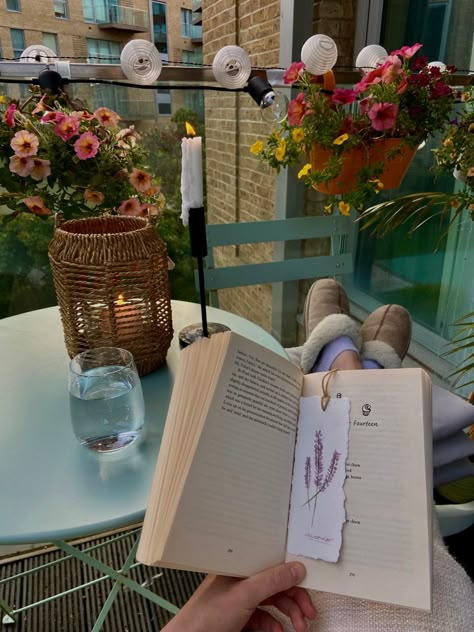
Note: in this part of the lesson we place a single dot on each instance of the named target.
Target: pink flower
(21, 166)
(407, 52)
(94, 197)
(297, 109)
(83, 115)
(24, 144)
(402, 86)
(364, 105)
(343, 95)
(293, 72)
(440, 90)
(67, 127)
(131, 207)
(374, 76)
(52, 117)
(41, 169)
(391, 68)
(106, 117)
(9, 116)
(140, 180)
(40, 106)
(86, 146)
(150, 209)
(383, 115)
(36, 205)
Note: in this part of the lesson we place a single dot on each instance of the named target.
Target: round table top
(51, 487)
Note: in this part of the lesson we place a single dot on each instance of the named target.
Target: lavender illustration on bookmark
(317, 511)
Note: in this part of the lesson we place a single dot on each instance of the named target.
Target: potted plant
(57, 156)
(454, 155)
(354, 140)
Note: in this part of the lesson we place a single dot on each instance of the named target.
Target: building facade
(96, 31)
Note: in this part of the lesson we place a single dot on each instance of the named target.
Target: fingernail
(298, 571)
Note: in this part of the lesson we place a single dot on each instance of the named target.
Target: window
(13, 5)
(186, 22)
(51, 41)
(164, 102)
(95, 11)
(18, 42)
(103, 51)
(61, 9)
(159, 26)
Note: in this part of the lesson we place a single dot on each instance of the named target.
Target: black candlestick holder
(197, 236)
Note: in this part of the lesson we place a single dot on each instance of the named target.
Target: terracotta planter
(397, 166)
(356, 158)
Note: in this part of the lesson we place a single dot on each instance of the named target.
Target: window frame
(17, 55)
(186, 27)
(65, 5)
(18, 2)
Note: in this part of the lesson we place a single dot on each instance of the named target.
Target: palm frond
(414, 209)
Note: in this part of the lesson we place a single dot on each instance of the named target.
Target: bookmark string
(325, 386)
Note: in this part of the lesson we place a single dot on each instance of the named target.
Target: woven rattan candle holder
(112, 285)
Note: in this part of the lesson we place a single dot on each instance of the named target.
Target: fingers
(290, 608)
(303, 599)
(263, 622)
(274, 580)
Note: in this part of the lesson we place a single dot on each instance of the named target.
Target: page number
(352, 574)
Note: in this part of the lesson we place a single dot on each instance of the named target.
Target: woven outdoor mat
(78, 612)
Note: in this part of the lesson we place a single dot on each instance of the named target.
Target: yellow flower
(344, 208)
(257, 147)
(280, 153)
(341, 139)
(328, 209)
(304, 170)
(297, 134)
(378, 183)
(2, 99)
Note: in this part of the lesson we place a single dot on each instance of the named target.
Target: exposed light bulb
(274, 107)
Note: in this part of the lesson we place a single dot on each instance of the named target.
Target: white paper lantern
(38, 53)
(319, 54)
(231, 67)
(141, 61)
(370, 57)
(437, 64)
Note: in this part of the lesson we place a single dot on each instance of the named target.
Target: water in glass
(106, 403)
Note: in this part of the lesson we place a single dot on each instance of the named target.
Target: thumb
(272, 581)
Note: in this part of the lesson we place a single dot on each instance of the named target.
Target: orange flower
(24, 144)
(130, 207)
(21, 166)
(41, 169)
(140, 180)
(36, 205)
(86, 146)
(94, 197)
(106, 117)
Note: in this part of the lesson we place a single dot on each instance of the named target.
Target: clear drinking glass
(106, 399)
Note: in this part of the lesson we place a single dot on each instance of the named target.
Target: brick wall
(239, 187)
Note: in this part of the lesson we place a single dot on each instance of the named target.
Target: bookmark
(317, 509)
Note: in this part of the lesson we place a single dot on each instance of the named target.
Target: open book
(220, 498)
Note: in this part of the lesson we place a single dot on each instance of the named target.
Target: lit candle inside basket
(191, 173)
(127, 317)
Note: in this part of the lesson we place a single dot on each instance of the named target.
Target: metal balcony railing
(112, 15)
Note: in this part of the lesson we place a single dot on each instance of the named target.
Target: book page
(386, 543)
(232, 515)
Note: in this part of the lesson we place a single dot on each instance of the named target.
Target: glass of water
(106, 399)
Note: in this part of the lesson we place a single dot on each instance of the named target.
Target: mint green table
(52, 489)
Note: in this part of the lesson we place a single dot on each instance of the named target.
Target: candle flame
(120, 300)
(190, 131)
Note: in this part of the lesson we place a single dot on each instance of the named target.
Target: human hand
(226, 604)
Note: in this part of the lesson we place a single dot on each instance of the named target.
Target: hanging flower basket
(395, 154)
(111, 279)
